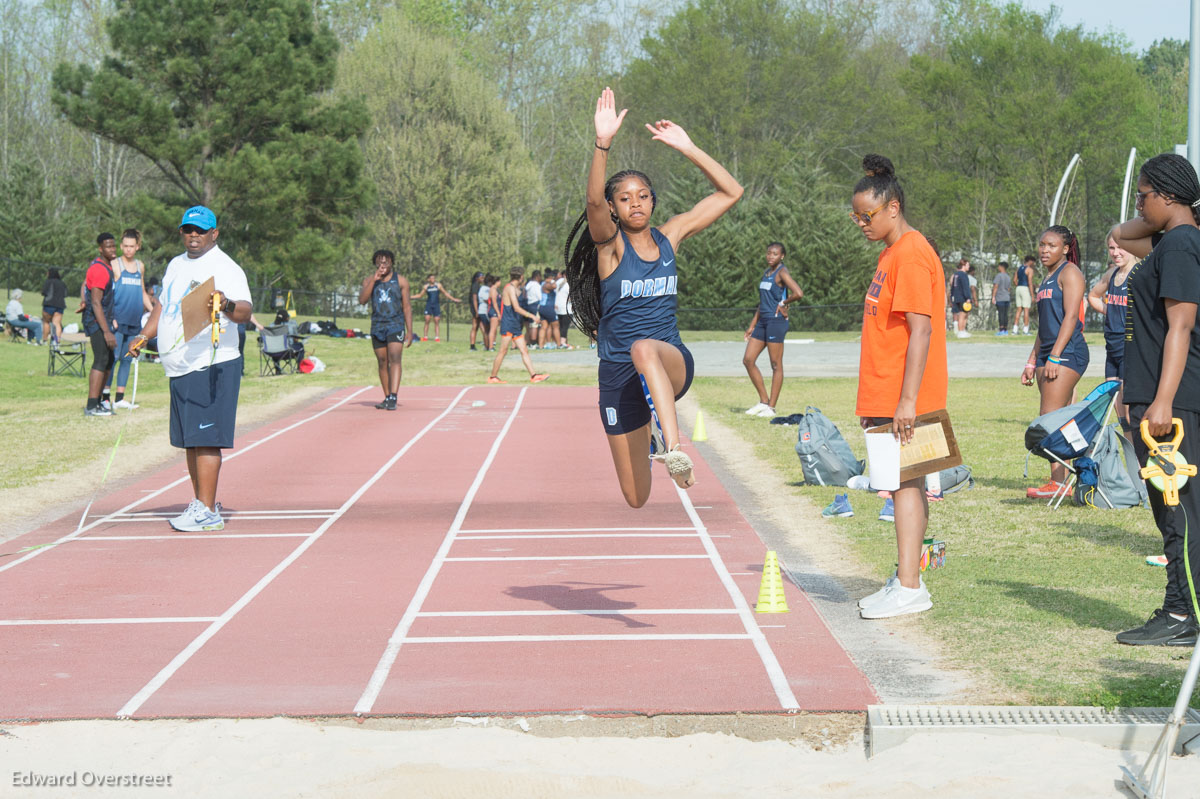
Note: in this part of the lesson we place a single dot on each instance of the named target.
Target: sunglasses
(865, 218)
(192, 230)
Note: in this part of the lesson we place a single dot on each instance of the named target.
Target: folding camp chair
(277, 351)
(1072, 432)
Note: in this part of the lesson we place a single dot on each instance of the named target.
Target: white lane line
(142, 620)
(181, 480)
(578, 557)
(775, 674)
(577, 535)
(226, 516)
(166, 673)
(470, 614)
(523, 639)
(384, 666)
(164, 514)
(574, 530)
(181, 536)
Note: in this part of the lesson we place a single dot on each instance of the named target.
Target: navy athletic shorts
(204, 406)
(771, 331)
(390, 335)
(1114, 355)
(623, 407)
(1074, 357)
(547, 313)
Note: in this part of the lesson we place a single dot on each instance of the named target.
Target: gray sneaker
(99, 410)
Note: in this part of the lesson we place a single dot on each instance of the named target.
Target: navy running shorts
(1074, 357)
(204, 406)
(1114, 355)
(547, 313)
(509, 328)
(623, 407)
(771, 331)
(388, 335)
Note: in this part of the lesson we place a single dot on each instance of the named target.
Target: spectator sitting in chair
(15, 315)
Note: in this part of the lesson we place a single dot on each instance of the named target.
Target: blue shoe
(840, 507)
(888, 514)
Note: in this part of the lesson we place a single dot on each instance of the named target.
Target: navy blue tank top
(387, 305)
(432, 298)
(128, 304)
(1022, 275)
(1051, 312)
(1116, 301)
(770, 294)
(638, 300)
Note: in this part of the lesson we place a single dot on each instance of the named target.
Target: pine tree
(228, 100)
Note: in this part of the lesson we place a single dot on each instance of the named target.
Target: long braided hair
(583, 268)
(1069, 239)
(1173, 176)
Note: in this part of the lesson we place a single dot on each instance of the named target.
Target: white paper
(883, 461)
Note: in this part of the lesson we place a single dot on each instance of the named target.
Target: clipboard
(194, 308)
(932, 449)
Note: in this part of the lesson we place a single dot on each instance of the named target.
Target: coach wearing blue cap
(204, 375)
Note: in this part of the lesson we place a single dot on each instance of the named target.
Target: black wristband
(228, 307)
(605, 149)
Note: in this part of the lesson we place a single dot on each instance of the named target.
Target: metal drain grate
(1125, 728)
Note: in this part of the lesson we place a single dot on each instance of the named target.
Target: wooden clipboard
(195, 309)
(932, 449)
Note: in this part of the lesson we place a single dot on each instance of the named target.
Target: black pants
(1174, 521)
(1002, 311)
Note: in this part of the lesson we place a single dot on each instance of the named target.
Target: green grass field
(1029, 597)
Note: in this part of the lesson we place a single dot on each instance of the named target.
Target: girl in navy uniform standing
(391, 316)
(473, 299)
(432, 291)
(623, 282)
(769, 327)
(1110, 297)
(1162, 373)
(511, 328)
(1060, 355)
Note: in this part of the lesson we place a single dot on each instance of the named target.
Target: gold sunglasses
(865, 219)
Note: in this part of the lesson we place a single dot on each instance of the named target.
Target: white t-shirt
(533, 293)
(13, 310)
(484, 293)
(560, 296)
(181, 357)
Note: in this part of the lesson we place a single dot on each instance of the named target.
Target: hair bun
(878, 166)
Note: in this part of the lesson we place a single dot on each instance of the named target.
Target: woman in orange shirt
(902, 364)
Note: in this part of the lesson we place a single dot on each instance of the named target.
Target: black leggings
(1171, 520)
(1002, 311)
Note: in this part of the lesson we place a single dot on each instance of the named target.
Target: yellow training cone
(698, 431)
(770, 591)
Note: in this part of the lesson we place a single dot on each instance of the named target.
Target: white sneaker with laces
(201, 520)
(899, 601)
(124, 404)
(756, 409)
(767, 412)
(871, 599)
(188, 515)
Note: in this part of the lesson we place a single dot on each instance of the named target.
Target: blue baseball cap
(199, 216)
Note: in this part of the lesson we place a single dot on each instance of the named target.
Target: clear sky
(1143, 23)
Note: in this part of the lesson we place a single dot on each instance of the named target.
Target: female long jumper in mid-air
(623, 277)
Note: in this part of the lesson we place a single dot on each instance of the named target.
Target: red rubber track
(434, 560)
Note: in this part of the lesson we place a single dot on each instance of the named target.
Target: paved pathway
(993, 357)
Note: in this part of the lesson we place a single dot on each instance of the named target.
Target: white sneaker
(756, 409)
(871, 599)
(767, 412)
(198, 519)
(1025, 331)
(124, 404)
(899, 601)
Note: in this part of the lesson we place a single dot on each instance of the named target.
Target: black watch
(228, 306)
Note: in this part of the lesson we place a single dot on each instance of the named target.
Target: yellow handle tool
(216, 321)
(1166, 468)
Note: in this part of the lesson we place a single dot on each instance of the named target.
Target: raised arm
(727, 190)
(607, 122)
(1134, 236)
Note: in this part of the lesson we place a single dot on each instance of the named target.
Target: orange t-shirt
(909, 279)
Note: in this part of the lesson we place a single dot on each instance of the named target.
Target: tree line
(458, 132)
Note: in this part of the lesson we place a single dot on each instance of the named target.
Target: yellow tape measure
(1166, 468)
